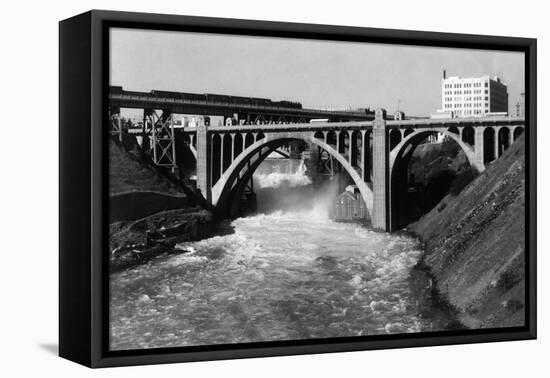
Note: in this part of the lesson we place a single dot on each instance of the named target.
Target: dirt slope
(127, 173)
(475, 244)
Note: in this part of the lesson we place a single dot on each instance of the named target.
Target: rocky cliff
(475, 244)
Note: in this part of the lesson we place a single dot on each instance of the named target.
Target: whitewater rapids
(286, 275)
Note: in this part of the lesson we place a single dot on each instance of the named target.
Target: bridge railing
(326, 126)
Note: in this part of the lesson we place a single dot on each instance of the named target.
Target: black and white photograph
(267, 189)
(273, 189)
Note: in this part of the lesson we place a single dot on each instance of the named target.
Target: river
(285, 274)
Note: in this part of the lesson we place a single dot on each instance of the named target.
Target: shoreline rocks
(137, 242)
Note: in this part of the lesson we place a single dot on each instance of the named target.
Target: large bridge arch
(400, 158)
(412, 140)
(243, 166)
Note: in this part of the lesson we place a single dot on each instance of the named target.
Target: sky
(313, 72)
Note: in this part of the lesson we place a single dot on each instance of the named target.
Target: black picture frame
(83, 159)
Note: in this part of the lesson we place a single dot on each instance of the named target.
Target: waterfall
(274, 173)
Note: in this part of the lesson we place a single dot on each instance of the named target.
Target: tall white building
(473, 96)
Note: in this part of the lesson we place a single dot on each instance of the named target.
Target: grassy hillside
(128, 172)
(475, 244)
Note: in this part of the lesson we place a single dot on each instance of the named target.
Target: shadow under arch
(232, 182)
(186, 153)
(400, 158)
(413, 140)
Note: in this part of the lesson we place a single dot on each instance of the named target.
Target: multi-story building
(473, 96)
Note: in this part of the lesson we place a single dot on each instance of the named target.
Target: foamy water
(283, 175)
(281, 276)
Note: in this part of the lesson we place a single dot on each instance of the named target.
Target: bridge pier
(163, 140)
(203, 178)
(479, 147)
(380, 167)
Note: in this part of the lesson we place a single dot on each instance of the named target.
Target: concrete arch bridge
(374, 153)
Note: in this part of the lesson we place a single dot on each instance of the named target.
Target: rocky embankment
(130, 170)
(150, 211)
(133, 243)
(475, 245)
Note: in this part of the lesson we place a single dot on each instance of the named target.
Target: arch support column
(232, 147)
(222, 141)
(497, 143)
(203, 162)
(380, 167)
(363, 156)
(479, 146)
